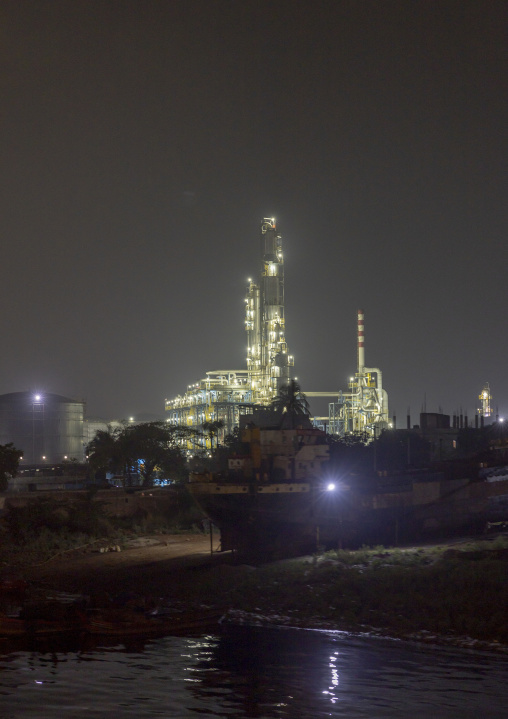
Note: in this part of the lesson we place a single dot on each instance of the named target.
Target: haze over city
(144, 141)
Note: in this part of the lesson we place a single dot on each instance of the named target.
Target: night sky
(143, 142)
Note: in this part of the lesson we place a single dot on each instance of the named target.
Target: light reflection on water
(252, 673)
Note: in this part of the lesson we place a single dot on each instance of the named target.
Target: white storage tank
(47, 427)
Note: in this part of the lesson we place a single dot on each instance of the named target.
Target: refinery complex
(223, 395)
(51, 428)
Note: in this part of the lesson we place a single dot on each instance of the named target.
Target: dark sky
(143, 142)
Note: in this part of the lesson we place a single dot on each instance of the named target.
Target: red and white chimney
(361, 341)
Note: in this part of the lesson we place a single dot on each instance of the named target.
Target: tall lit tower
(267, 357)
(361, 341)
(485, 398)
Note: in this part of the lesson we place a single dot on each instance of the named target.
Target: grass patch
(403, 591)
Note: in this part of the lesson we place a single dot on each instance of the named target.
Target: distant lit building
(47, 427)
(94, 425)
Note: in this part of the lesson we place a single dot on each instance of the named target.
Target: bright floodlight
(330, 487)
(37, 397)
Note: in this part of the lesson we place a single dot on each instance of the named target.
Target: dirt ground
(166, 566)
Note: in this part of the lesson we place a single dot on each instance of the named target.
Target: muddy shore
(182, 569)
(155, 565)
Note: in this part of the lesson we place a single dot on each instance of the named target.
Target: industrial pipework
(364, 408)
(223, 394)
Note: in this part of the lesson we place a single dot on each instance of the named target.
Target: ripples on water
(251, 672)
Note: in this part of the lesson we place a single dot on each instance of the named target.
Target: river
(252, 672)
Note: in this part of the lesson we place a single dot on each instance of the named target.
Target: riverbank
(452, 593)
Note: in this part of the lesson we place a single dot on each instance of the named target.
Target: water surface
(252, 672)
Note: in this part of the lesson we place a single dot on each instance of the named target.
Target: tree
(9, 463)
(233, 442)
(212, 429)
(146, 447)
(293, 406)
(105, 451)
(155, 445)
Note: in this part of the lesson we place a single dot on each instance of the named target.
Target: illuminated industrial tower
(485, 398)
(268, 361)
(224, 394)
(364, 409)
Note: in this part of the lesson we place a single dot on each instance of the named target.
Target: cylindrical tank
(47, 427)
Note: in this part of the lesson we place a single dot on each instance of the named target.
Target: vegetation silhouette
(291, 403)
(141, 449)
(9, 463)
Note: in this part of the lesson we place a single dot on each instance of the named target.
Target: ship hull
(290, 519)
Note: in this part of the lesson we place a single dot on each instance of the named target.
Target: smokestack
(361, 341)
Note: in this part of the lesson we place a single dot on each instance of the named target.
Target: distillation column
(267, 356)
(371, 399)
(364, 408)
(486, 399)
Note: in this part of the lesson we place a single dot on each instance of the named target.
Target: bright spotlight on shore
(330, 487)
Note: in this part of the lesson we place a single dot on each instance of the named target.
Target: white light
(501, 419)
(37, 397)
(330, 487)
(131, 419)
